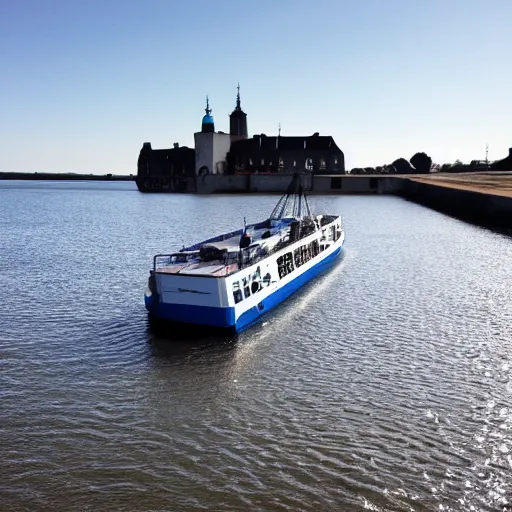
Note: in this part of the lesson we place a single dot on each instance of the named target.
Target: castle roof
(207, 119)
(295, 143)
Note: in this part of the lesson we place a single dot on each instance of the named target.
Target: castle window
(322, 164)
(262, 161)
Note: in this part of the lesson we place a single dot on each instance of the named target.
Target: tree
(458, 166)
(402, 166)
(421, 162)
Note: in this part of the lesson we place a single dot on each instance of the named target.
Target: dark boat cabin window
(256, 281)
(246, 286)
(237, 293)
(285, 264)
(305, 253)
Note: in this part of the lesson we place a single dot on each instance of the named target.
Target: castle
(183, 169)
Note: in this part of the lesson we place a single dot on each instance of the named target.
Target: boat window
(246, 286)
(256, 281)
(266, 279)
(285, 264)
(297, 256)
(305, 253)
(237, 293)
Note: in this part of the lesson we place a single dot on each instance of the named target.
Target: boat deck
(222, 255)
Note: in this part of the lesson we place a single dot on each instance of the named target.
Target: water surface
(384, 385)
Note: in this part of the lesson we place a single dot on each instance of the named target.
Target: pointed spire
(207, 125)
(238, 118)
(279, 129)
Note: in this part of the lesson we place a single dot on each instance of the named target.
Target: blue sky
(84, 84)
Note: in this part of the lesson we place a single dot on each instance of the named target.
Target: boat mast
(295, 190)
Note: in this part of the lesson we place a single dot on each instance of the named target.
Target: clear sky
(84, 84)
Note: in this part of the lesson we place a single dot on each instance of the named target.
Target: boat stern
(189, 300)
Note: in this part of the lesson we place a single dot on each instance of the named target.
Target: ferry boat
(230, 281)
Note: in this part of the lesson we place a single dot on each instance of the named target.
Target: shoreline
(482, 198)
(49, 176)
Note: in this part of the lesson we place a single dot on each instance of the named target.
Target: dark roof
(314, 142)
(173, 151)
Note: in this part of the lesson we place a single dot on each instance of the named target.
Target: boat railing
(161, 260)
(243, 258)
(218, 238)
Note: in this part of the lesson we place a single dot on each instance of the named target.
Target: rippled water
(385, 385)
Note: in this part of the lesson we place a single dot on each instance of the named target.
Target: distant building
(165, 170)
(315, 153)
(179, 168)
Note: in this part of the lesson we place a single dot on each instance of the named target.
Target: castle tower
(211, 147)
(238, 120)
(207, 126)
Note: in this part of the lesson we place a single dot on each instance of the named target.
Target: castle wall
(332, 184)
(286, 154)
(166, 170)
(247, 183)
(211, 151)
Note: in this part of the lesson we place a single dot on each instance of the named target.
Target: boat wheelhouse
(231, 280)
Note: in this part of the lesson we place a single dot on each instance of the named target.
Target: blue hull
(225, 317)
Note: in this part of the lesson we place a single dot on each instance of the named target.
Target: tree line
(421, 163)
